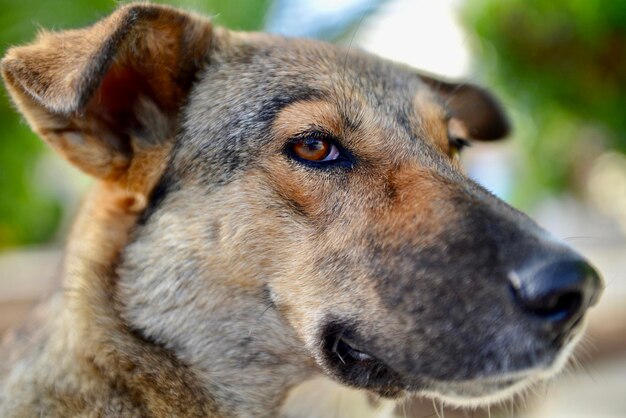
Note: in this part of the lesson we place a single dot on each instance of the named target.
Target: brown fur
(211, 273)
(102, 381)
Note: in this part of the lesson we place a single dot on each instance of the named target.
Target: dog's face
(324, 184)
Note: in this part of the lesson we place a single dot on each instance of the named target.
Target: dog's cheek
(253, 234)
(322, 282)
(301, 194)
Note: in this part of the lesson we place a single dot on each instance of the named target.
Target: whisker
(336, 343)
(436, 409)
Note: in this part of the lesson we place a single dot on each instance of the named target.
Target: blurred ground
(27, 276)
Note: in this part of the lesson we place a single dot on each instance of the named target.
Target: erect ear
(475, 113)
(102, 95)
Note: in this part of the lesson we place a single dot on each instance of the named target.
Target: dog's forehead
(284, 65)
(251, 78)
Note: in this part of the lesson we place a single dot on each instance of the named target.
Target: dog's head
(319, 182)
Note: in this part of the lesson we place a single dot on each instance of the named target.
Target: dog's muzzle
(545, 303)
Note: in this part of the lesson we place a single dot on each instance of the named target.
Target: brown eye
(315, 149)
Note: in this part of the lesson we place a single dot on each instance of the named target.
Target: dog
(268, 211)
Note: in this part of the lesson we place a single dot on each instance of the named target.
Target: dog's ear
(103, 94)
(475, 113)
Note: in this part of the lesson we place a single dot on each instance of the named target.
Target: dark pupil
(314, 145)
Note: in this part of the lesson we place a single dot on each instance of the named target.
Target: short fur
(209, 273)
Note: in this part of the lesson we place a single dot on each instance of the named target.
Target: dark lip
(354, 366)
(344, 344)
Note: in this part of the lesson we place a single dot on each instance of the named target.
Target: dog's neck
(242, 362)
(230, 341)
(232, 345)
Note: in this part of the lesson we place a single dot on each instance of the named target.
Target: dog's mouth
(355, 366)
(346, 356)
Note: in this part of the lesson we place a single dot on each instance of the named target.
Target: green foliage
(562, 66)
(235, 14)
(29, 214)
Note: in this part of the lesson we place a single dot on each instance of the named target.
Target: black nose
(558, 292)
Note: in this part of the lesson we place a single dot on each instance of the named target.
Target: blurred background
(558, 65)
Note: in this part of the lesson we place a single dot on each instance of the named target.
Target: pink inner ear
(115, 100)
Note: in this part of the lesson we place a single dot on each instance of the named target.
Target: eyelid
(313, 132)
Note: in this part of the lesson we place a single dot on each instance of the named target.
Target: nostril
(560, 307)
(557, 292)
